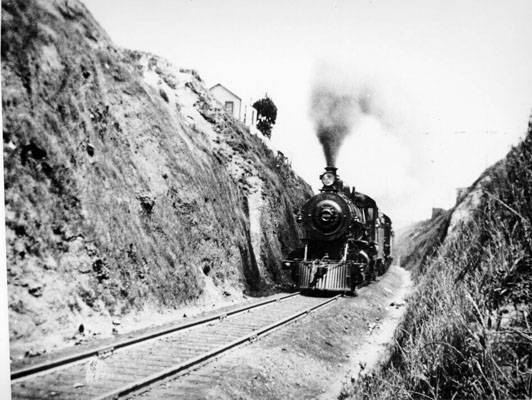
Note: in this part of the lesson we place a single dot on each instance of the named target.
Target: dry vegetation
(467, 331)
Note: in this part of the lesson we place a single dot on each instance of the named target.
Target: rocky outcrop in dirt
(127, 187)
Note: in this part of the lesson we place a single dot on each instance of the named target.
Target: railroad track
(133, 364)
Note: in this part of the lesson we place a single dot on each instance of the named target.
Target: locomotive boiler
(347, 241)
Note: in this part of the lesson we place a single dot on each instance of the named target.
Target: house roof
(222, 86)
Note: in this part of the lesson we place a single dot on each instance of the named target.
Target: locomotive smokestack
(331, 169)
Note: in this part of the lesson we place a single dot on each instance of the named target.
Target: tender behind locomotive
(346, 241)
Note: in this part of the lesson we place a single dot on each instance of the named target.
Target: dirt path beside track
(311, 358)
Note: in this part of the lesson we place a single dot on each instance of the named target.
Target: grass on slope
(467, 330)
(116, 200)
(420, 242)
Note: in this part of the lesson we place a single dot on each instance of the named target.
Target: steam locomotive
(347, 241)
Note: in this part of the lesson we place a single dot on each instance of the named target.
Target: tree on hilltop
(266, 115)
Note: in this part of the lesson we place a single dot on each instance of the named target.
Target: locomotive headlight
(327, 179)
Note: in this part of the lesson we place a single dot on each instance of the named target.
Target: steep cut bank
(127, 187)
(467, 329)
(420, 241)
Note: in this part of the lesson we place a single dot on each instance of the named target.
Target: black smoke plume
(335, 108)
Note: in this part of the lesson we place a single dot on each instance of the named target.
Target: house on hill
(234, 106)
(231, 102)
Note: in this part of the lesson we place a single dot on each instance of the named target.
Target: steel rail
(73, 358)
(141, 383)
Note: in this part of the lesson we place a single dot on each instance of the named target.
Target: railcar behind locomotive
(347, 241)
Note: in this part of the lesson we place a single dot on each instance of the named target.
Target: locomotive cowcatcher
(346, 240)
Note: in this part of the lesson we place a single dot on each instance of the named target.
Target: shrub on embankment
(467, 329)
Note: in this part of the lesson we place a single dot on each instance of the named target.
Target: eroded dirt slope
(127, 188)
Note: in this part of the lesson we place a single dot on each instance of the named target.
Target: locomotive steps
(324, 337)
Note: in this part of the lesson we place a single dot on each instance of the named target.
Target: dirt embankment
(467, 328)
(420, 241)
(127, 187)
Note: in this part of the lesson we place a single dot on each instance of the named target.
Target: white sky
(454, 77)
